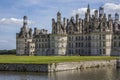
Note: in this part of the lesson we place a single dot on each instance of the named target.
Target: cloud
(111, 8)
(82, 11)
(13, 21)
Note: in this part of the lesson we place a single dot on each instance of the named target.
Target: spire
(88, 14)
(88, 6)
(88, 9)
(25, 21)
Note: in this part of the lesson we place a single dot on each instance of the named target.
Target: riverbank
(53, 63)
(54, 67)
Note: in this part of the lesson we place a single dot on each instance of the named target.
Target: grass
(49, 59)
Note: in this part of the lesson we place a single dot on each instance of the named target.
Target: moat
(104, 73)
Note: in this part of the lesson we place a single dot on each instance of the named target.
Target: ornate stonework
(96, 34)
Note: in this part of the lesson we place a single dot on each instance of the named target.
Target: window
(119, 44)
(45, 39)
(69, 51)
(76, 45)
(69, 38)
(89, 38)
(99, 36)
(104, 51)
(119, 37)
(82, 38)
(76, 38)
(103, 36)
(79, 37)
(39, 46)
(52, 38)
(81, 44)
(115, 44)
(86, 38)
(52, 44)
(72, 38)
(89, 44)
(62, 45)
(114, 37)
(25, 40)
(103, 43)
(53, 52)
(72, 45)
(100, 51)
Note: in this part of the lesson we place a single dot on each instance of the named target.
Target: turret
(88, 9)
(116, 17)
(110, 22)
(64, 21)
(80, 25)
(88, 13)
(25, 21)
(53, 21)
(72, 19)
(35, 31)
(77, 18)
(104, 17)
(101, 12)
(67, 21)
(64, 24)
(96, 13)
(30, 33)
(109, 17)
(59, 17)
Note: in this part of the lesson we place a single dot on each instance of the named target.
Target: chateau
(96, 34)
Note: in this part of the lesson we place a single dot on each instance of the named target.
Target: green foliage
(49, 59)
(7, 52)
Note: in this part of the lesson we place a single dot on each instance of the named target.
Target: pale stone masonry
(96, 34)
(54, 67)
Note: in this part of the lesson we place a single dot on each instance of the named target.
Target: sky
(40, 13)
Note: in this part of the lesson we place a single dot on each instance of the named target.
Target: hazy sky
(40, 13)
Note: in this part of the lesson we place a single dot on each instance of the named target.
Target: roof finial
(88, 6)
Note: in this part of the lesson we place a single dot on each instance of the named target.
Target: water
(106, 73)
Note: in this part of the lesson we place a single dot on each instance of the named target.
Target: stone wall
(55, 66)
(118, 63)
(24, 67)
(80, 65)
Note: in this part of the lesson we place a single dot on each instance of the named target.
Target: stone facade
(96, 34)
